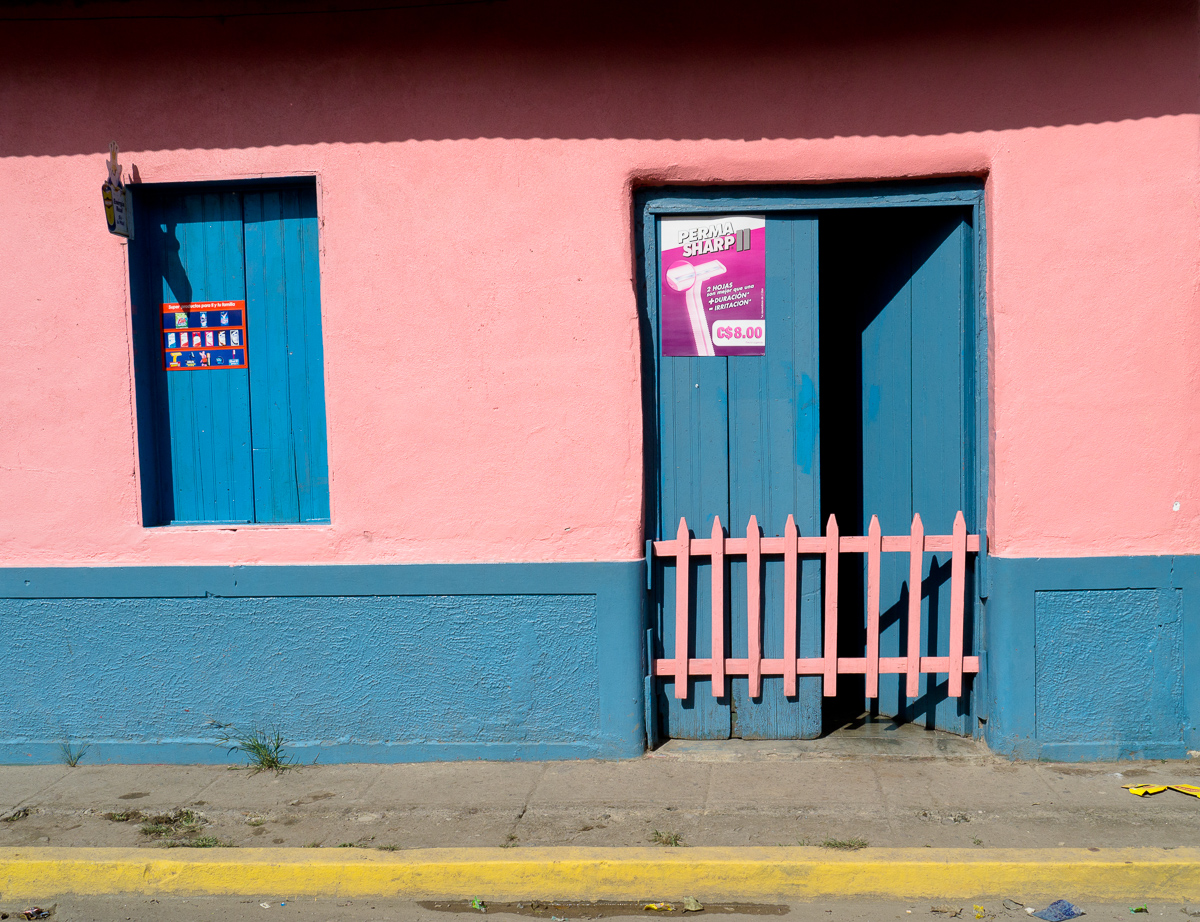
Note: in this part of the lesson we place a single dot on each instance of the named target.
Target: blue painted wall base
(1093, 658)
(349, 663)
(1084, 659)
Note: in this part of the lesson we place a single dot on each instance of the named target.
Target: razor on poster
(713, 298)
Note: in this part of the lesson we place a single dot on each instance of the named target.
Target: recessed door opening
(863, 404)
(896, 433)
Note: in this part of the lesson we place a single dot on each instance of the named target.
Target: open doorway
(897, 434)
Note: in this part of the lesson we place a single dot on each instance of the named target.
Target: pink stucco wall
(476, 167)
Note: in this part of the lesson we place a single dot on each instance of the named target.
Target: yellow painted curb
(714, 874)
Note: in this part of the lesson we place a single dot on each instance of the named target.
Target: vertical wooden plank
(205, 389)
(258, 322)
(718, 609)
(294, 333)
(275, 498)
(159, 292)
(693, 483)
(312, 462)
(221, 453)
(916, 561)
(939, 325)
(754, 606)
(196, 384)
(683, 571)
(283, 504)
(145, 287)
(230, 388)
(181, 264)
(790, 562)
(832, 550)
(238, 379)
(301, 323)
(943, 448)
(874, 548)
(958, 590)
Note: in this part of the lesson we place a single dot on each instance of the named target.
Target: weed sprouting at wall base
(71, 755)
(262, 747)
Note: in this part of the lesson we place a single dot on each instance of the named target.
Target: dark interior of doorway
(867, 257)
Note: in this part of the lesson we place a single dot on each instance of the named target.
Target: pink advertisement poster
(714, 279)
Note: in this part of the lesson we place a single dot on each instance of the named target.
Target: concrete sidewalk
(916, 807)
(712, 794)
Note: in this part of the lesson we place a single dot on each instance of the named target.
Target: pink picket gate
(792, 545)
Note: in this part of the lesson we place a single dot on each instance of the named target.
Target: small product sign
(204, 335)
(118, 207)
(714, 281)
(117, 210)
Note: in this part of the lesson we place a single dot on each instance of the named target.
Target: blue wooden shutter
(227, 445)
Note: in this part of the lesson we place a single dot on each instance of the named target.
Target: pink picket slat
(790, 564)
(792, 545)
(718, 608)
(958, 592)
(874, 547)
(754, 606)
(916, 566)
(832, 553)
(683, 572)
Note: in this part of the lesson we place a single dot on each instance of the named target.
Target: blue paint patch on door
(874, 401)
(807, 425)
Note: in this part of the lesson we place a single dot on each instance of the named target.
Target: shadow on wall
(546, 69)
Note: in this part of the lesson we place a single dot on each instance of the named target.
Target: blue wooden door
(739, 437)
(226, 445)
